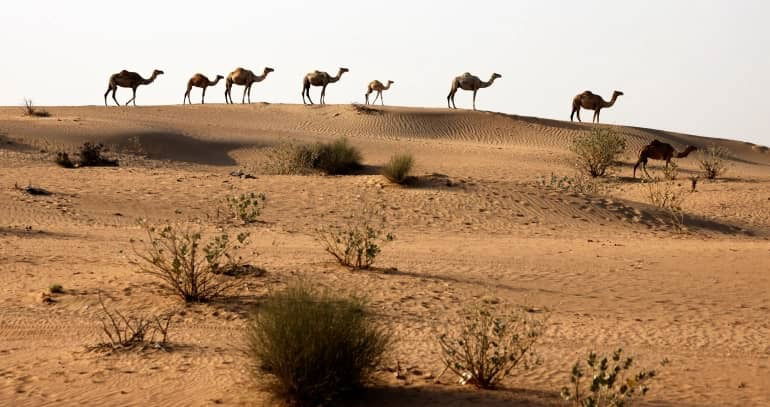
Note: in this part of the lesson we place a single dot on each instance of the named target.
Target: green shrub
(317, 346)
(187, 265)
(489, 343)
(598, 151)
(611, 383)
(337, 157)
(56, 289)
(398, 167)
(356, 243)
(713, 161)
(245, 208)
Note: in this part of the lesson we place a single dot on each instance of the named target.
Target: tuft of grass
(30, 110)
(244, 208)
(56, 289)
(713, 161)
(132, 332)
(667, 196)
(598, 151)
(356, 243)
(318, 347)
(398, 168)
(334, 158)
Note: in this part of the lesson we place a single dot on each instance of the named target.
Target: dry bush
(30, 110)
(91, 156)
(132, 332)
(334, 158)
(490, 343)
(63, 160)
(667, 195)
(398, 167)
(598, 151)
(671, 171)
(713, 161)
(357, 242)
(244, 208)
(317, 346)
(579, 183)
(611, 382)
(188, 265)
(363, 109)
(56, 289)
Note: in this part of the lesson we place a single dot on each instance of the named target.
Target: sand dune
(477, 224)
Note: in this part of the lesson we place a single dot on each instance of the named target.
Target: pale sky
(699, 67)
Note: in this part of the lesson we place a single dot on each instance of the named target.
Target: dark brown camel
(126, 79)
(657, 150)
(590, 101)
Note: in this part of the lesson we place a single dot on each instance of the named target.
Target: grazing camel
(200, 80)
(243, 77)
(660, 151)
(318, 78)
(588, 100)
(467, 81)
(377, 86)
(126, 79)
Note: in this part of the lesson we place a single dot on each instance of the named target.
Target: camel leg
(375, 97)
(203, 97)
(307, 90)
(572, 115)
(323, 95)
(132, 97)
(382, 99)
(243, 99)
(105, 95)
(366, 97)
(249, 94)
(474, 99)
(578, 115)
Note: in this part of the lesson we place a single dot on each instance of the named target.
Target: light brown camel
(377, 86)
(660, 151)
(318, 78)
(243, 77)
(200, 80)
(126, 79)
(467, 81)
(588, 100)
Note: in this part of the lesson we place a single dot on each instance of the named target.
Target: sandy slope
(476, 226)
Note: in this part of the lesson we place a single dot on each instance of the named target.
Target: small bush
(398, 167)
(56, 289)
(131, 332)
(245, 208)
(337, 157)
(317, 346)
(611, 383)
(91, 156)
(357, 243)
(597, 152)
(30, 110)
(488, 344)
(63, 160)
(713, 161)
(363, 109)
(189, 266)
(581, 184)
(668, 196)
(671, 171)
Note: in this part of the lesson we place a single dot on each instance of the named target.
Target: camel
(243, 77)
(200, 80)
(318, 78)
(467, 81)
(588, 100)
(126, 79)
(377, 86)
(660, 151)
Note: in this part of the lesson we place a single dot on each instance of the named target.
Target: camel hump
(588, 93)
(466, 74)
(124, 72)
(656, 142)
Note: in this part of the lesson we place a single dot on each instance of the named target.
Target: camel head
(157, 72)
(617, 93)
(220, 77)
(496, 75)
(269, 69)
(343, 70)
(390, 82)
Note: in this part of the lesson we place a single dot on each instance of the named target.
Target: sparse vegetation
(130, 332)
(363, 109)
(581, 184)
(398, 167)
(317, 346)
(598, 151)
(337, 157)
(356, 243)
(713, 161)
(63, 160)
(90, 156)
(244, 208)
(56, 289)
(667, 195)
(30, 110)
(189, 266)
(489, 343)
(671, 171)
(611, 382)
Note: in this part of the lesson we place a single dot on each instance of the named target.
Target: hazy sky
(700, 67)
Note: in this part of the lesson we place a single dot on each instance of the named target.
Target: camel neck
(488, 83)
(336, 78)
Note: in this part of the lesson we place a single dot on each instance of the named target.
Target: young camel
(126, 79)
(318, 78)
(660, 151)
(199, 80)
(377, 86)
(243, 77)
(588, 100)
(467, 81)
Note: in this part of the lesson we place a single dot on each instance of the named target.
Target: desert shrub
(91, 156)
(337, 157)
(671, 171)
(611, 381)
(598, 151)
(244, 208)
(132, 332)
(669, 197)
(490, 343)
(713, 161)
(363, 109)
(63, 160)
(56, 289)
(580, 183)
(398, 167)
(29, 109)
(188, 265)
(357, 242)
(316, 345)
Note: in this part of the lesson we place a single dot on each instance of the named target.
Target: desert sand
(477, 226)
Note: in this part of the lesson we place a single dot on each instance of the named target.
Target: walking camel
(200, 80)
(660, 151)
(318, 78)
(467, 81)
(588, 100)
(377, 86)
(243, 77)
(126, 79)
